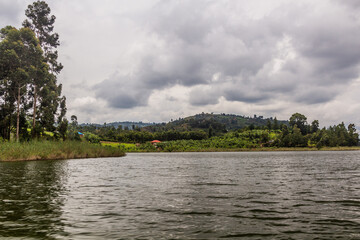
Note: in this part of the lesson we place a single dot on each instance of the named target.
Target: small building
(154, 142)
(81, 135)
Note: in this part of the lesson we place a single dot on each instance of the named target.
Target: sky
(156, 60)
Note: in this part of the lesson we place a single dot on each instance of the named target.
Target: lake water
(266, 195)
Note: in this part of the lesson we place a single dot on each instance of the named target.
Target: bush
(92, 138)
(41, 150)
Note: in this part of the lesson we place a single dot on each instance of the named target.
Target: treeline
(30, 97)
(301, 134)
(334, 136)
(136, 136)
(220, 123)
(298, 133)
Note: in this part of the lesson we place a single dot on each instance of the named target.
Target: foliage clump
(298, 134)
(50, 150)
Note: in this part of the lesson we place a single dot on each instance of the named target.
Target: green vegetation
(32, 110)
(55, 150)
(126, 147)
(296, 135)
(219, 123)
(30, 97)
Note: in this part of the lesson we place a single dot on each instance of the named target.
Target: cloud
(10, 11)
(203, 95)
(353, 4)
(161, 59)
(291, 53)
(143, 57)
(120, 92)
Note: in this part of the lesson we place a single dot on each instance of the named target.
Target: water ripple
(282, 195)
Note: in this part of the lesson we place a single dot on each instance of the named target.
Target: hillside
(124, 125)
(218, 122)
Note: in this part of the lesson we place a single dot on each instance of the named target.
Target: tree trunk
(18, 115)
(9, 129)
(34, 114)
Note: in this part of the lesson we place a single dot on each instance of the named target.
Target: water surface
(267, 195)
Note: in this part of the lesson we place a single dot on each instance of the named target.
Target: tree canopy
(28, 81)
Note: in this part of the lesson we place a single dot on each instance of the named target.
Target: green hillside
(218, 122)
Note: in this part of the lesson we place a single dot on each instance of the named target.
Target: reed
(50, 150)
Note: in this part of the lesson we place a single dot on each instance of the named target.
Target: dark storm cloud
(315, 96)
(120, 92)
(203, 95)
(239, 95)
(156, 73)
(284, 54)
(331, 45)
(350, 3)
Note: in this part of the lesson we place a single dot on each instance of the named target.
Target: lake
(255, 195)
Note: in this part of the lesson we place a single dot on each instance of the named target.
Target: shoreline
(307, 149)
(48, 150)
(56, 159)
(63, 154)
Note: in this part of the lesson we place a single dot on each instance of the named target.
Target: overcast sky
(156, 60)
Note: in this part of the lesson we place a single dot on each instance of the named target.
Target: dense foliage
(298, 133)
(139, 136)
(219, 123)
(30, 97)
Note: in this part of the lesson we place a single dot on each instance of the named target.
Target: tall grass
(42, 150)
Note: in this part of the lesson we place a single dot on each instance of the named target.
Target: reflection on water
(282, 195)
(31, 199)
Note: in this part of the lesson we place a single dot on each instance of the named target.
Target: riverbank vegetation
(32, 110)
(297, 134)
(50, 150)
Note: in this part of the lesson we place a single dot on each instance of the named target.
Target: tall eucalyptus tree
(45, 89)
(20, 55)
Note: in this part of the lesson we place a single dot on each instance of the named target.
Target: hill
(218, 122)
(124, 125)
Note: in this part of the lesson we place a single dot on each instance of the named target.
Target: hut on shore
(154, 142)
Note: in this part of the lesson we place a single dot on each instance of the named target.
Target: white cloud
(156, 60)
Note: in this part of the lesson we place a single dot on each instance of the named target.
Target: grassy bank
(272, 149)
(179, 146)
(46, 150)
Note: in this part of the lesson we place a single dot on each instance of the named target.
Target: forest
(294, 133)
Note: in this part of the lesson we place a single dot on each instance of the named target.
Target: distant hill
(218, 122)
(124, 125)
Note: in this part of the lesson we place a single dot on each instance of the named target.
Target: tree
(268, 124)
(73, 128)
(74, 120)
(300, 121)
(353, 136)
(275, 124)
(297, 139)
(20, 54)
(210, 131)
(314, 126)
(40, 21)
(63, 122)
(44, 82)
(49, 104)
